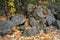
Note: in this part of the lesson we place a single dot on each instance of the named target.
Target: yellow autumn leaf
(12, 10)
(11, 4)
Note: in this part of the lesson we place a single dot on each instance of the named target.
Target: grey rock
(46, 30)
(18, 19)
(50, 19)
(6, 26)
(58, 22)
(44, 21)
(33, 22)
(25, 32)
(49, 29)
(30, 32)
(38, 12)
